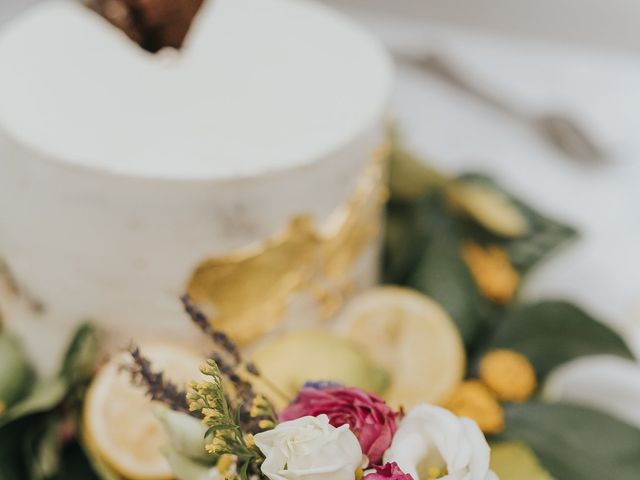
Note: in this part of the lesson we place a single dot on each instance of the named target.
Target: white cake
(128, 178)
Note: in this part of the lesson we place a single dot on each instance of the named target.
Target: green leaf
(82, 355)
(576, 443)
(244, 471)
(544, 236)
(42, 447)
(75, 465)
(12, 466)
(410, 178)
(553, 332)
(45, 396)
(16, 374)
(405, 241)
(186, 468)
(31, 426)
(516, 461)
(442, 274)
(186, 433)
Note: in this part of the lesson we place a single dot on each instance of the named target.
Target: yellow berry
(492, 271)
(266, 424)
(225, 462)
(249, 440)
(474, 400)
(509, 374)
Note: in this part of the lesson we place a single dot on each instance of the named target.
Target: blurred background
(576, 58)
(579, 59)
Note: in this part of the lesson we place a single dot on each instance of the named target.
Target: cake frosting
(260, 85)
(123, 173)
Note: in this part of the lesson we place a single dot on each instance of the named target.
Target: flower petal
(607, 383)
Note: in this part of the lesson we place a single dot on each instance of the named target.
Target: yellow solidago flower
(266, 424)
(211, 415)
(219, 443)
(492, 271)
(259, 407)
(249, 441)
(509, 374)
(474, 400)
(226, 463)
(211, 448)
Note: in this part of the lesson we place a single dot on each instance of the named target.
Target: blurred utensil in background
(555, 128)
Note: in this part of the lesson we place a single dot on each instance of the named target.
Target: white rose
(309, 448)
(433, 442)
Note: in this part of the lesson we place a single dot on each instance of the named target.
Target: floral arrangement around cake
(328, 431)
(446, 374)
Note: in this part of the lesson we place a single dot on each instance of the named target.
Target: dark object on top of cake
(153, 24)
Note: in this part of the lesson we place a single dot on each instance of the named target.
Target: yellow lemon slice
(119, 425)
(514, 460)
(291, 359)
(489, 207)
(412, 337)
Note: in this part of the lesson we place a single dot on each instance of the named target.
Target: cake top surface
(260, 85)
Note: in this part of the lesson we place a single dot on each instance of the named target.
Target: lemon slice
(489, 207)
(511, 460)
(291, 359)
(412, 337)
(119, 425)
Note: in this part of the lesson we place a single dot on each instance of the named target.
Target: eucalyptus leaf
(16, 374)
(42, 448)
(12, 466)
(32, 425)
(45, 396)
(185, 468)
(187, 434)
(575, 443)
(442, 274)
(81, 355)
(405, 241)
(544, 234)
(551, 333)
(75, 465)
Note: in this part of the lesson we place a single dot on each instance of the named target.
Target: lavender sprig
(158, 387)
(218, 337)
(229, 361)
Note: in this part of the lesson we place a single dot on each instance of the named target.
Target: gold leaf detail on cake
(244, 292)
(247, 292)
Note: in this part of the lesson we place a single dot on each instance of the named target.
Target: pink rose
(390, 471)
(369, 418)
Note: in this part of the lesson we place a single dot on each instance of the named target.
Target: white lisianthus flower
(309, 448)
(431, 442)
